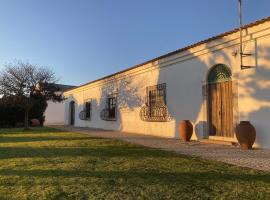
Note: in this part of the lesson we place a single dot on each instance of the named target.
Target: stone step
(212, 141)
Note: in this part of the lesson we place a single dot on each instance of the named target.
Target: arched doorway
(72, 113)
(220, 101)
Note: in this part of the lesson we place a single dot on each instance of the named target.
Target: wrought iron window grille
(82, 115)
(155, 108)
(86, 113)
(109, 113)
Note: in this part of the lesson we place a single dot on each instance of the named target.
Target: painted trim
(219, 73)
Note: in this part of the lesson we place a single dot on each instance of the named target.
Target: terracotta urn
(185, 130)
(245, 134)
(35, 122)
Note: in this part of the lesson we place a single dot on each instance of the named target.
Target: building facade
(202, 83)
(54, 113)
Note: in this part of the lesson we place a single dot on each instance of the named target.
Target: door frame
(234, 102)
(71, 114)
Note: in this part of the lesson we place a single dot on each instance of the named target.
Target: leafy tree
(24, 84)
(12, 115)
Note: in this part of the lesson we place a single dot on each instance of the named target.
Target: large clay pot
(35, 122)
(185, 130)
(245, 134)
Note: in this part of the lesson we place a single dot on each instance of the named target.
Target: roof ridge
(257, 22)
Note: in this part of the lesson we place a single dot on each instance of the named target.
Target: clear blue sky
(83, 40)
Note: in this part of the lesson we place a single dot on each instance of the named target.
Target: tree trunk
(26, 116)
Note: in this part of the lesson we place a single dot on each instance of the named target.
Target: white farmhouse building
(202, 83)
(54, 113)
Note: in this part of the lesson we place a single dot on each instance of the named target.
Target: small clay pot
(185, 130)
(245, 134)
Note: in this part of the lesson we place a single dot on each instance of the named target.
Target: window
(155, 108)
(88, 110)
(111, 108)
(109, 113)
(156, 97)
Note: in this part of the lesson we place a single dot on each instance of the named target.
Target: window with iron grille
(88, 107)
(156, 97)
(155, 108)
(111, 107)
(109, 113)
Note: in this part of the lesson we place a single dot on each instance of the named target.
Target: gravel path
(256, 159)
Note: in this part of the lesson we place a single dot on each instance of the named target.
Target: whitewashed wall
(54, 114)
(254, 93)
(185, 74)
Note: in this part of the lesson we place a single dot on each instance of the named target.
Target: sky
(83, 40)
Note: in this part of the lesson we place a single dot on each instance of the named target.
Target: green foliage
(25, 84)
(44, 163)
(12, 114)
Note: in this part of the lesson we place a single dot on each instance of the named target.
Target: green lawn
(46, 163)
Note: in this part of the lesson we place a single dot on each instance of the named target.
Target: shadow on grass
(166, 177)
(41, 139)
(32, 130)
(96, 151)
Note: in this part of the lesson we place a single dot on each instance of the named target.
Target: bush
(12, 115)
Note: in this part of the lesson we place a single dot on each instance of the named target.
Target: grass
(46, 163)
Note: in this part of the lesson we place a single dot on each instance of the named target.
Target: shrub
(12, 115)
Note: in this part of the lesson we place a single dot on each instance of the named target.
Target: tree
(24, 84)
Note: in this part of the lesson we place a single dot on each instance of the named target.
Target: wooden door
(221, 109)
